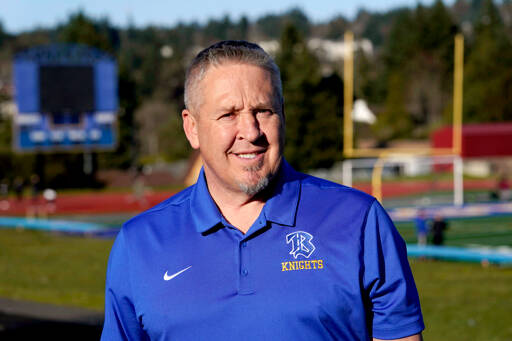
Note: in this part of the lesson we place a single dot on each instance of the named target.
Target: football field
(477, 231)
(460, 301)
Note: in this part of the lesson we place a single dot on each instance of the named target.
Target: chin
(254, 188)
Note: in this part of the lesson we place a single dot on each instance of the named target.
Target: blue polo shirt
(321, 262)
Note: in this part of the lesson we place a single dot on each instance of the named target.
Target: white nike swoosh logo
(167, 277)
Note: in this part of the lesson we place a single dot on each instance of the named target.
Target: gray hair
(229, 51)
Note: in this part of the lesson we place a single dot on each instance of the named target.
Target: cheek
(275, 131)
(217, 137)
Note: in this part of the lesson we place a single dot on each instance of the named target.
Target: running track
(109, 202)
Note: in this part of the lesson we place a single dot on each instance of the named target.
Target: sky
(22, 15)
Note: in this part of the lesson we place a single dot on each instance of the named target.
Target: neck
(238, 208)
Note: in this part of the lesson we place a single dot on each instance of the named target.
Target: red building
(478, 140)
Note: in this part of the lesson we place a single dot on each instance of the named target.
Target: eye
(227, 116)
(263, 112)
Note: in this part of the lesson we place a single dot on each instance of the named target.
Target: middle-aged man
(255, 250)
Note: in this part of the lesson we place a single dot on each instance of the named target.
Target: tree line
(407, 80)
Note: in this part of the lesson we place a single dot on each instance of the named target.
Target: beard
(253, 189)
(256, 188)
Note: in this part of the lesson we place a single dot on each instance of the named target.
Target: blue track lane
(478, 255)
(51, 225)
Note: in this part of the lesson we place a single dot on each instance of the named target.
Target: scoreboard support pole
(88, 164)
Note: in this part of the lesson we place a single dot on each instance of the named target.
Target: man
(438, 227)
(255, 250)
(420, 222)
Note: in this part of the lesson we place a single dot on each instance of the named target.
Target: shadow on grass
(23, 328)
(23, 320)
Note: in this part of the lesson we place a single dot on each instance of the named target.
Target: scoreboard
(66, 95)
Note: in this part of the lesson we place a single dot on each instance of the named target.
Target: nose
(248, 127)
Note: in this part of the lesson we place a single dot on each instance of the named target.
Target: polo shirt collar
(205, 213)
(281, 208)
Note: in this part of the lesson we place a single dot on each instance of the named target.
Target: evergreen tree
(394, 122)
(324, 135)
(300, 75)
(400, 45)
(336, 27)
(313, 125)
(217, 30)
(488, 75)
(82, 30)
(273, 26)
(2, 34)
(417, 71)
(269, 26)
(126, 153)
(242, 29)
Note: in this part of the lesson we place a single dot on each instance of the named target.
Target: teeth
(247, 156)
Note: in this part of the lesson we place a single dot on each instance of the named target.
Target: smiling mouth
(249, 156)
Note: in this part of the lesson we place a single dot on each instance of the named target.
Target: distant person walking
(438, 227)
(420, 223)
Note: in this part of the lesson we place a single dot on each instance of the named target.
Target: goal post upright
(458, 78)
(458, 74)
(348, 95)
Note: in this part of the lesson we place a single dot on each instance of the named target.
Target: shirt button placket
(245, 283)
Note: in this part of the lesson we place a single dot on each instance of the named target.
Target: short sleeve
(121, 322)
(388, 280)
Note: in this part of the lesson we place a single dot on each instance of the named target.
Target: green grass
(49, 268)
(492, 231)
(437, 176)
(460, 301)
(437, 197)
(105, 219)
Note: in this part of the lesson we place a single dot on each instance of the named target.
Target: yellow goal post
(382, 154)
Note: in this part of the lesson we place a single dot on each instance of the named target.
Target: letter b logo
(301, 244)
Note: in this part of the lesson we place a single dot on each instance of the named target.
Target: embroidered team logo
(301, 244)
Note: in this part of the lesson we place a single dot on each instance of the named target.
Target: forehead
(230, 81)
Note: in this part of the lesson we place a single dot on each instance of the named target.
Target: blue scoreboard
(67, 99)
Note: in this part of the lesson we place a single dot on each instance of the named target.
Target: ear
(190, 128)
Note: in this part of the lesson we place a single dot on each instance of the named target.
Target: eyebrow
(230, 108)
(271, 103)
(259, 105)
